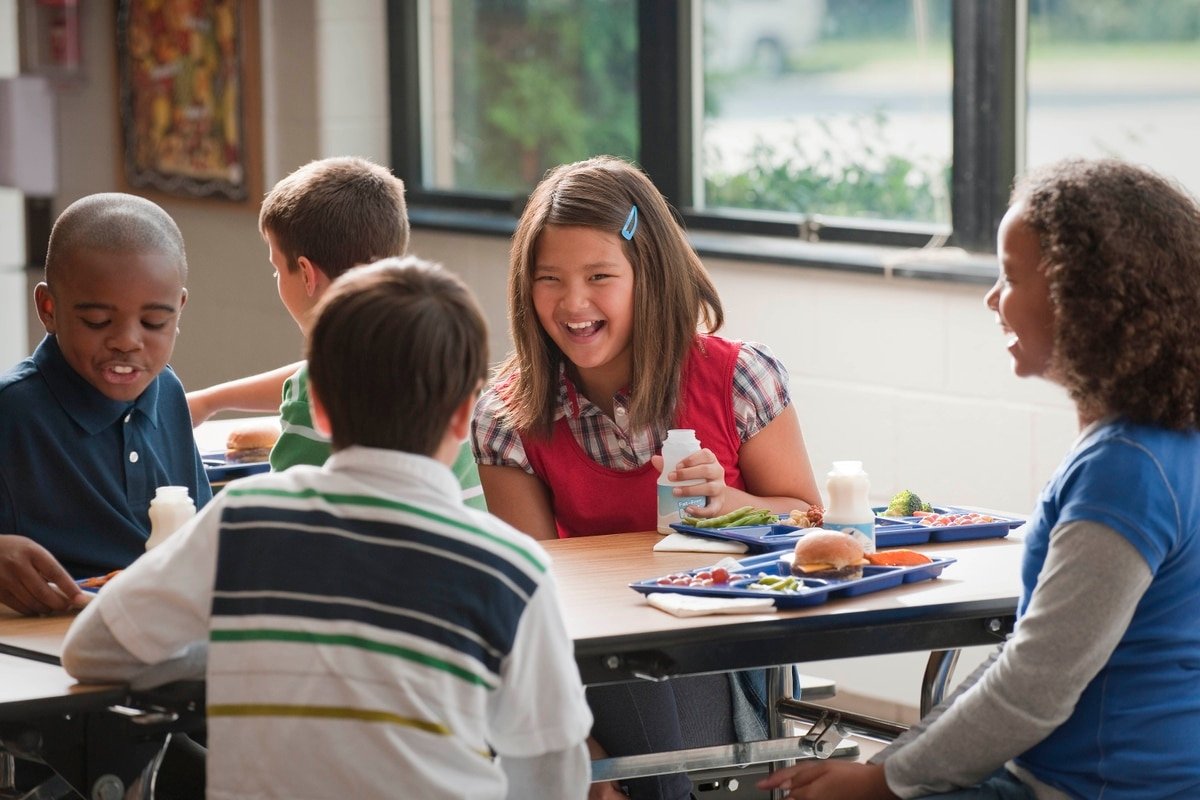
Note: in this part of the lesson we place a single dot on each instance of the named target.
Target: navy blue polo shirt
(78, 469)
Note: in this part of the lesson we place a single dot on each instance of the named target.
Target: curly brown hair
(1120, 248)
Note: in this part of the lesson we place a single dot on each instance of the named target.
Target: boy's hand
(830, 780)
(32, 581)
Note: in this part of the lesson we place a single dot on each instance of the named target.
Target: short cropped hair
(672, 292)
(397, 346)
(1121, 253)
(338, 213)
(112, 222)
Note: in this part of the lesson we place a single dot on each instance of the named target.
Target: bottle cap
(171, 491)
(844, 467)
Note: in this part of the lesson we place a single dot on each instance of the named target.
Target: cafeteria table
(619, 637)
(98, 739)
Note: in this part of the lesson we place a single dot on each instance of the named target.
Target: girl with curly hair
(1095, 693)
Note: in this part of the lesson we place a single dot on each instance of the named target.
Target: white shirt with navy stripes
(368, 633)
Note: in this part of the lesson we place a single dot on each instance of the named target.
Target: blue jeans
(693, 711)
(641, 717)
(1000, 785)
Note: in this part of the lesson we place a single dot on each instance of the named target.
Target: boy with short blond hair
(95, 420)
(368, 634)
(319, 221)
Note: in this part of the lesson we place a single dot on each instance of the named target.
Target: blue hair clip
(630, 224)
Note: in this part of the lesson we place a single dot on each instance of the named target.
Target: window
(893, 122)
(519, 87)
(1112, 79)
(827, 107)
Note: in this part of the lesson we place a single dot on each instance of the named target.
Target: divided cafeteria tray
(814, 590)
(219, 471)
(997, 529)
(889, 531)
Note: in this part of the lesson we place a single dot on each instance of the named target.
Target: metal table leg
(939, 671)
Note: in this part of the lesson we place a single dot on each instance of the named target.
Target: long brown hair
(672, 291)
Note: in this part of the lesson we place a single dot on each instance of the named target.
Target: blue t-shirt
(1134, 731)
(78, 470)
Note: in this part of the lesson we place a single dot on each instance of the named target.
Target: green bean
(718, 522)
(746, 515)
(777, 583)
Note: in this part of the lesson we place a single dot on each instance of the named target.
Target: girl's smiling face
(1021, 297)
(583, 295)
(115, 316)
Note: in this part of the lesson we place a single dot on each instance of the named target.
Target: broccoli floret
(904, 504)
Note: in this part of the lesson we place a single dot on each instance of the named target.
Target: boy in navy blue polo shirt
(94, 421)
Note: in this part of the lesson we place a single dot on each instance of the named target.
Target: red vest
(589, 499)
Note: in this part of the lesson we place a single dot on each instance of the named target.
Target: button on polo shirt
(79, 469)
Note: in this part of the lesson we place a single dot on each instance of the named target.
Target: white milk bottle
(680, 443)
(170, 508)
(849, 508)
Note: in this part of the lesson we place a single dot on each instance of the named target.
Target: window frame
(987, 104)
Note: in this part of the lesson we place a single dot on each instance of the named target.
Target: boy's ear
(43, 300)
(460, 420)
(319, 417)
(315, 279)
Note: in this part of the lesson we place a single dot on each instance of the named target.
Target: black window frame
(988, 47)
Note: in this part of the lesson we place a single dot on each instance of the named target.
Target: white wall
(909, 376)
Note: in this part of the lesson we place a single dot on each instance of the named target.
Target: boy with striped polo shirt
(324, 218)
(367, 633)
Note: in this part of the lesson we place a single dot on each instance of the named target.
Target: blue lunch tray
(219, 471)
(889, 531)
(815, 590)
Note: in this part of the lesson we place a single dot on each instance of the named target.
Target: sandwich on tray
(828, 554)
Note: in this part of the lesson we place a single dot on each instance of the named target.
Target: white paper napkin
(682, 542)
(687, 605)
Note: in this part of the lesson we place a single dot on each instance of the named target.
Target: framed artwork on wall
(188, 96)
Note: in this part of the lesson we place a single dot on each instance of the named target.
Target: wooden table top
(35, 635)
(607, 619)
(29, 688)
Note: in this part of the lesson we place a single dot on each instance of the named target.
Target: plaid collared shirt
(760, 393)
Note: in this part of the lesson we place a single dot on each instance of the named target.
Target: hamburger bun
(828, 554)
(898, 558)
(250, 443)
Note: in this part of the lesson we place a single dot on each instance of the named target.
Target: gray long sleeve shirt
(1085, 597)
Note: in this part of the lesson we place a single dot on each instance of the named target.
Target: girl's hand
(703, 465)
(830, 780)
